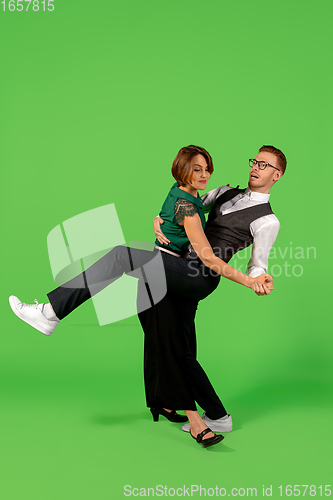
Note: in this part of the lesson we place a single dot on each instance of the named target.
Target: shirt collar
(253, 195)
(180, 193)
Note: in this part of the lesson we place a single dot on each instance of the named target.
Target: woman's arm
(201, 245)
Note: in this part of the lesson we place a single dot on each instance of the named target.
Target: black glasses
(261, 164)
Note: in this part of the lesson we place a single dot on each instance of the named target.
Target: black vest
(230, 233)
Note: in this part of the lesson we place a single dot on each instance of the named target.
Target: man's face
(263, 180)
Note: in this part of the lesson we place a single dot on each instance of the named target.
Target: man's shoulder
(272, 219)
(267, 221)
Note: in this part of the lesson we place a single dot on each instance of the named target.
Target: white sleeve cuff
(254, 271)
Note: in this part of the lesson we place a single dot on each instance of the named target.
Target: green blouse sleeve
(184, 208)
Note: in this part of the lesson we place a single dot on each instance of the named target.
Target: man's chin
(253, 184)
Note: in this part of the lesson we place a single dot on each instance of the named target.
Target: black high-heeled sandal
(172, 416)
(209, 441)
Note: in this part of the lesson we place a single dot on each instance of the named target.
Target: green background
(96, 99)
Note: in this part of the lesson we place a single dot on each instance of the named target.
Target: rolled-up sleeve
(264, 232)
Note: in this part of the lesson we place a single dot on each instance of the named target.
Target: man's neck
(260, 190)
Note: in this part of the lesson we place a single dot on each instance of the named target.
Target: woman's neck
(190, 190)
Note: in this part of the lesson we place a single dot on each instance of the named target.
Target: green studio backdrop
(96, 99)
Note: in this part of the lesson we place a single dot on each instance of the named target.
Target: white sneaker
(220, 425)
(33, 315)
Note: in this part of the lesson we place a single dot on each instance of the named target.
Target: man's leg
(160, 272)
(166, 381)
(165, 272)
(142, 264)
(101, 274)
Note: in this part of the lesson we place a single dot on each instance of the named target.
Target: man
(237, 219)
(66, 298)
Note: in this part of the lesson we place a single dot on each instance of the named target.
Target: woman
(173, 377)
(191, 163)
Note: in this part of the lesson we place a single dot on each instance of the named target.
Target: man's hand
(158, 233)
(261, 289)
(263, 285)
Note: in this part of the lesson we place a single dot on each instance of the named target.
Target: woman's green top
(177, 205)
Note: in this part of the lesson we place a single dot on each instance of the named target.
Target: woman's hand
(158, 233)
(262, 285)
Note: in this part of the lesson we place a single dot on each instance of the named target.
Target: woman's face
(200, 174)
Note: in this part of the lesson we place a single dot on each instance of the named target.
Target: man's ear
(278, 174)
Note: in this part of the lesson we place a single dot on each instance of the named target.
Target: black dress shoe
(172, 416)
(209, 441)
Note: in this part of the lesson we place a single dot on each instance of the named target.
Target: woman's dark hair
(182, 165)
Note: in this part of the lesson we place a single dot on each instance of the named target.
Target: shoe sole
(210, 441)
(30, 322)
(217, 439)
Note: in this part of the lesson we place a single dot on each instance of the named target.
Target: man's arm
(209, 198)
(158, 233)
(264, 232)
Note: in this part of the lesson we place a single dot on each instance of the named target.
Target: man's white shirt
(264, 230)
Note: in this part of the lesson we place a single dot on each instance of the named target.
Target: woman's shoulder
(184, 202)
(184, 208)
(176, 193)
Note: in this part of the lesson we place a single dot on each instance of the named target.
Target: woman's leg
(201, 388)
(197, 425)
